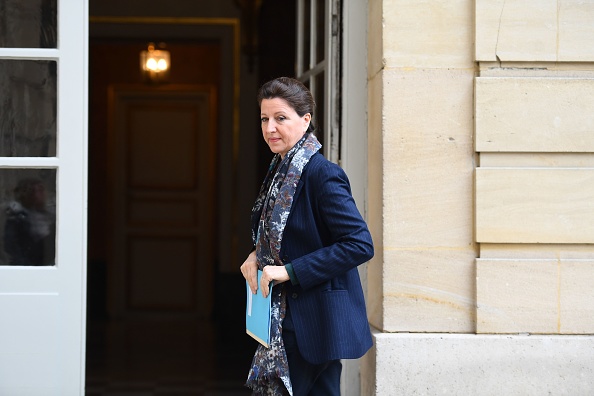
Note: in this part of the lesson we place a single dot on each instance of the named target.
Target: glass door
(43, 144)
(332, 62)
(318, 66)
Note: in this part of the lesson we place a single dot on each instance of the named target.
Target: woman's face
(281, 125)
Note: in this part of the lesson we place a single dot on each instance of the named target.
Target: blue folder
(257, 314)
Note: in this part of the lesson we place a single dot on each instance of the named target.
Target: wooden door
(162, 151)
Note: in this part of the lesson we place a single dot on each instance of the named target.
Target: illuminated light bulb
(151, 64)
(162, 64)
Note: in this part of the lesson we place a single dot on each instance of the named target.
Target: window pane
(28, 23)
(320, 107)
(27, 108)
(28, 216)
(320, 31)
(306, 34)
(308, 86)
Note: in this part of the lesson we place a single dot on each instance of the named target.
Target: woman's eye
(263, 119)
(281, 118)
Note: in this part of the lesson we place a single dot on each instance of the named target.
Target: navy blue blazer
(325, 239)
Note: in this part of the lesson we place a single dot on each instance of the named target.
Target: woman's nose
(270, 126)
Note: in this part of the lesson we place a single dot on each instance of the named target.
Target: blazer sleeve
(345, 238)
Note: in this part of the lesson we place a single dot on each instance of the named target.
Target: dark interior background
(268, 51)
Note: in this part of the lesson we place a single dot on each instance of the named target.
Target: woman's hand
(272, 273)
(249, 269)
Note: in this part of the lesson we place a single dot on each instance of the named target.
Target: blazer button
(294, 295)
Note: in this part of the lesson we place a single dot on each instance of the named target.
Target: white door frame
(42, 337)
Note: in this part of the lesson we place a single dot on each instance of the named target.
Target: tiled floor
(166, 357)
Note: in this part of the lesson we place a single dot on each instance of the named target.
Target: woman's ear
(306, 121)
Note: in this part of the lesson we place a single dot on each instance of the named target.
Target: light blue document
(257, 314)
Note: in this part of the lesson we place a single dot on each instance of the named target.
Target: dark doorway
(158, 322)
(145, 336)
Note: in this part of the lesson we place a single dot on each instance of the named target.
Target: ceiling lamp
(155, 63)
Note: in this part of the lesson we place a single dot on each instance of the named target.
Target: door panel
(162, 146)
(163, 140)
(38, 355)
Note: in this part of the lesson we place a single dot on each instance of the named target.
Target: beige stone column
(481, 197)
(421, 162)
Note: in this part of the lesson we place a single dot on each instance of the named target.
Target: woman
(308, 240)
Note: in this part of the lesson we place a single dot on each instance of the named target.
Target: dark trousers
(309, 379)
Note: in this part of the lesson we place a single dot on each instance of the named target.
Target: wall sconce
(155, 63)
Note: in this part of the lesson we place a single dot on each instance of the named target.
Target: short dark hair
(293, 92)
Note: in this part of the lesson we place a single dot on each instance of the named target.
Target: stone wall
(481, 203)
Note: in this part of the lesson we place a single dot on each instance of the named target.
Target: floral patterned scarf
(269, 373)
